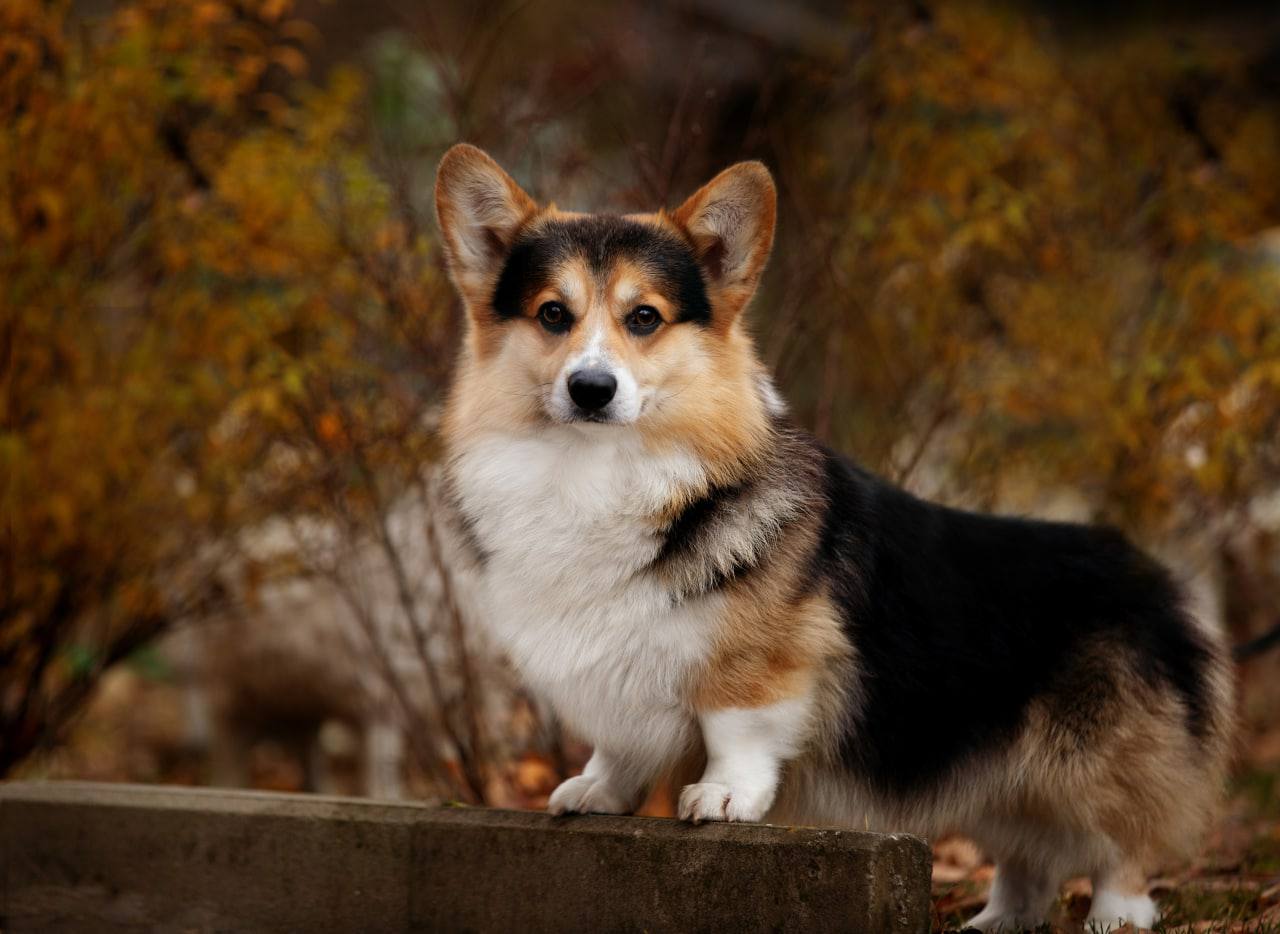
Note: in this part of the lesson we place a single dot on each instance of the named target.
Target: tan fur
(704, 218)
(481, 210)
(769, 652)
(776, 639)
(723, 420)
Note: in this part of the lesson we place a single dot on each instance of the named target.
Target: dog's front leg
(604, 787)
(746, 748)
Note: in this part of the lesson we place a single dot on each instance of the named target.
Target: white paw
(714, 801)
(1112, 909)
(587, 794)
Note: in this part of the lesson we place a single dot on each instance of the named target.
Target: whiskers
(538, 393)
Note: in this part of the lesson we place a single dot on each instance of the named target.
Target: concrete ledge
(89, 857)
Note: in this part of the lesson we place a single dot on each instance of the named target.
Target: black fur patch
(683, 534)
(601, 240)
(960, 620)
(689, 543)
(723, 537)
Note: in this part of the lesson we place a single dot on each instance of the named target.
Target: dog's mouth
(591, 418)
(563, 412)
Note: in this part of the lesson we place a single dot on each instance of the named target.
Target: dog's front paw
(587, 794)
(714, 801)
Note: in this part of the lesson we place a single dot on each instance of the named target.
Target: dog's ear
(730, 221)
(480, 208)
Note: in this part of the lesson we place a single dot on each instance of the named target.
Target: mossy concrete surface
(90, 857)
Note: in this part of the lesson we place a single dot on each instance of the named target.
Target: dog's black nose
(592, 389)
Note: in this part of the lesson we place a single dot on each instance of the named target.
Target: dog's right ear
(480, 208)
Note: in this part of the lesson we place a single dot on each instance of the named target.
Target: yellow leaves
(60, 510)
(218, 53)
(249, 69)
(1185, 227)
(1265, 374)
(49, 207)
(260, 403)
(193, 294)
(209, 13)
(290, 59)
(175, 255)
(1253, 140)
(301, 31)
(1035, 219)
(31, 35)
(271, 11)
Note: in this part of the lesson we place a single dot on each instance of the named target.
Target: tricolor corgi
(687, 577)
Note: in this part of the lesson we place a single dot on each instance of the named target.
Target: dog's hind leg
(1120, 897)
(1021, 897)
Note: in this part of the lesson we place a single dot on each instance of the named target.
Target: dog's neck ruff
(569, 523)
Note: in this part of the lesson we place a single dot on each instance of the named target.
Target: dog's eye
(644, 319)
(555, 317)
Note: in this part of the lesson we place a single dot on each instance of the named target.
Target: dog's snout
(592, 389)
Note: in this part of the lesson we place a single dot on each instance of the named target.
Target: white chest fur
(565, 517)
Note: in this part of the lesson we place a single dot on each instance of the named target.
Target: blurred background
(1028, 261)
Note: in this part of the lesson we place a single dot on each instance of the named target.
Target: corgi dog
(687, 577)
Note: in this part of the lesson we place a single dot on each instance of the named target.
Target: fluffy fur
(693, 582)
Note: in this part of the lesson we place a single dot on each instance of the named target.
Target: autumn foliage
(213, 312)
(1054, 256)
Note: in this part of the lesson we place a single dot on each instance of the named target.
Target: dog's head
(599, 321)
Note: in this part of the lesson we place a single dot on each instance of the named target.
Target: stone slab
(95, 857)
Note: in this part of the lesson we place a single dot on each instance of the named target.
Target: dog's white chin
(589, 428)
(575, 419)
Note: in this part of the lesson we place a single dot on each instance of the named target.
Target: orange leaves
(31, 36)
(329, 429)
(200, 310)
(1041, 240)
(218, 52)
(290, 59)
(209, 13)
(272, 11)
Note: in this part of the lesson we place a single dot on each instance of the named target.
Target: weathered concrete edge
(890, 889)
(329, 807)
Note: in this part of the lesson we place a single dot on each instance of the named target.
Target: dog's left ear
(480, 209)
(730, 221)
